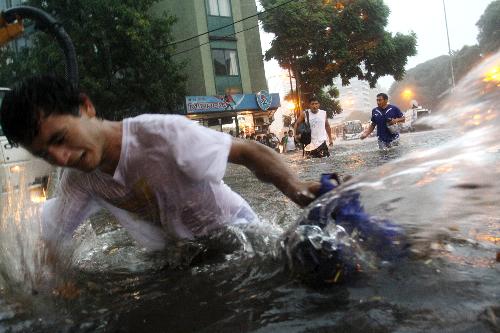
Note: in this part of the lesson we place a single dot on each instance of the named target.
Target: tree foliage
(328, 100)
(322, 39)
(124, 60)
(489, 28)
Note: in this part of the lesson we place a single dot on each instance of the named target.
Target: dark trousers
(321, 151)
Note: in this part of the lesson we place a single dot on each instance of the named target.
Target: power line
(229, 25)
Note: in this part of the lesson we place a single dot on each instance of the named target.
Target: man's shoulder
(394, 107)
(156, 124)
(155, 118)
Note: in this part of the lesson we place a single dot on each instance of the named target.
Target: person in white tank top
(320, 130)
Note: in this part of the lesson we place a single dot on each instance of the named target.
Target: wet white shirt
(167, 185)
(318, 131)
(290, 144)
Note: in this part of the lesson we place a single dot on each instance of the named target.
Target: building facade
(219, 42)
(357, 96)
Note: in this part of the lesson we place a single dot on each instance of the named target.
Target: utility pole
(449, 48)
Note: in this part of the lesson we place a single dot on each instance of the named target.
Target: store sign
(264, 100)
(230, 103)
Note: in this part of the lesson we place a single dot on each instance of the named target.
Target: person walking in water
(383, 117)
(288, 142)
(159, 175)
(320, 130)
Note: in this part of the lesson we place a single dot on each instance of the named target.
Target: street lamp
(407, 94)
(290, 105)
(449, 48)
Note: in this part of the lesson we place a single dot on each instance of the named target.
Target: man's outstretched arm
(268, 166)
(368, 131)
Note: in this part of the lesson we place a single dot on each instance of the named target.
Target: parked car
(352, 130)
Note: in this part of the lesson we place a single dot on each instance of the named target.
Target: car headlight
(16, 169)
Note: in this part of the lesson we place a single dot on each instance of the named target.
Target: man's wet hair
(383, 95)
(33, 98)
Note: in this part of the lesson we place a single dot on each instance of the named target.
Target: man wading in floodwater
(159, 175)
(384, 116)
(320, 130)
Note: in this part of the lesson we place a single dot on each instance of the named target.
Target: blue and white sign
(264, 100)
(231, 103)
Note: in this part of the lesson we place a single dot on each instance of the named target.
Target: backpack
(305, 131)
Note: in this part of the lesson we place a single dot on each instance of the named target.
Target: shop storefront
(250, 113)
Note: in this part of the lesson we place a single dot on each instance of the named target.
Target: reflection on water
(441, 186)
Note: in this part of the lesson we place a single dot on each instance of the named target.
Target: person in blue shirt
(384, 116)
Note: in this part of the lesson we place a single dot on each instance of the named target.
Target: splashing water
(446, 195)
(21, 255)
(445, 198)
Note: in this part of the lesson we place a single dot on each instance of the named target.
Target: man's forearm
(367, 131)
(270, 168)
(397, 120)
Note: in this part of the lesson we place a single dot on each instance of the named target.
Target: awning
(230, 104)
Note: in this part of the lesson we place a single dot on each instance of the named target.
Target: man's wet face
(314, 105)
(381, 102)
(67, 141)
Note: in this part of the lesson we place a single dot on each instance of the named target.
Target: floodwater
(441, 186)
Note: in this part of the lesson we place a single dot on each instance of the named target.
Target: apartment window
(225, 62)
(219, 8)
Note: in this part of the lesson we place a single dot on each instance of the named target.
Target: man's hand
(363, 136)
(303, 193)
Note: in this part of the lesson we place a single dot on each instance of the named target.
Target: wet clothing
(380, 117)
(321, 151)
(318, 132)
(289, 143)
(167, 184)
(385, 145)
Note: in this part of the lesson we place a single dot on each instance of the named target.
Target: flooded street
(408, 241)
(450, 284)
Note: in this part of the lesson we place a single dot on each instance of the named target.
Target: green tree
(329, 101)
(489, 28)
(124, 60)
(319, 40)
